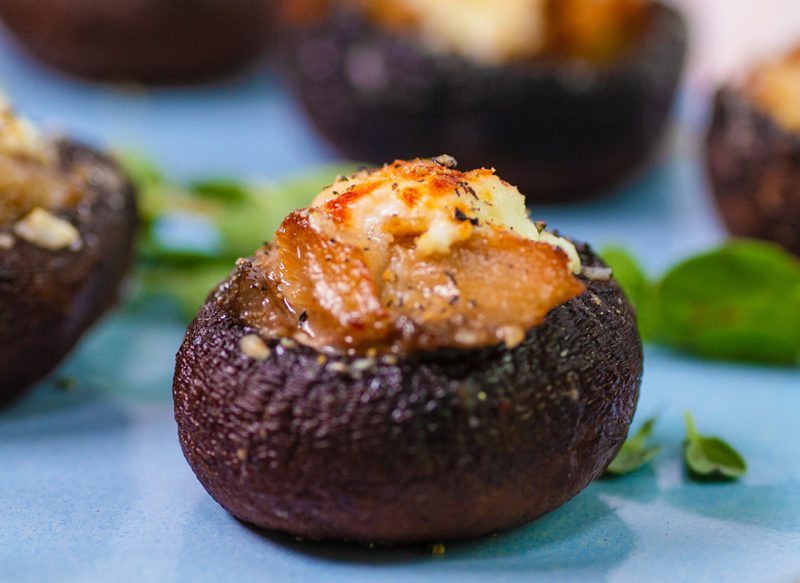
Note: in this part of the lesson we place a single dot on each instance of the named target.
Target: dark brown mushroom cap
(558, 129)
(141, 40)
(49, 298)
(418, 447)
(754, 169)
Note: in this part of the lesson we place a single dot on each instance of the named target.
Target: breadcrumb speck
(253, 347)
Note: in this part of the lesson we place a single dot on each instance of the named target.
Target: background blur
(729, 35)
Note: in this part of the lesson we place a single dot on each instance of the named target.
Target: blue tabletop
(93, 486)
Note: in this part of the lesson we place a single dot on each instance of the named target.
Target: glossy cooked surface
(329, 295)
(414, 447)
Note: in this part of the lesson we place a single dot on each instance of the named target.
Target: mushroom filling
(31, 176)
(501, 31)
(775, 89)
(412, 256)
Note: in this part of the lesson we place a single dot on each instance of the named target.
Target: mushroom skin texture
(753, 166)
(151, 41)
(560, 129)
(48, 298)
(404, 448)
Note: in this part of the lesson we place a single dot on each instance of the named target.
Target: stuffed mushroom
(141, 40)
(67, 223)
(410, 359)
(753, 149)
(565, 98)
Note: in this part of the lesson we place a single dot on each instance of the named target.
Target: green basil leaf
(634, 452)
(738, 302)
(710, 457)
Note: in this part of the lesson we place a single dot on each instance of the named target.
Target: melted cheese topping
(775, 88)
(499, 31)
(19, 137)
(427, 200)
(30, 173)
(486, 32)
(412, 256)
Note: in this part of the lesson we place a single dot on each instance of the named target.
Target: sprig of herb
(710, 458)
(740, 301)
(192, 235)
(635, 453)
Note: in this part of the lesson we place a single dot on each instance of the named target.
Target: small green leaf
(634, 453)
(710, 457)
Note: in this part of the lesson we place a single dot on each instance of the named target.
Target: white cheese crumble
(597, 273)
(253, 347)
(48, 231)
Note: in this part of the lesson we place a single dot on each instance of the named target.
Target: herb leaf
(738, 302)
(220, 189)
(634, 453)
(710, 457)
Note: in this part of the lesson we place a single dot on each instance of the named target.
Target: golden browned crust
(397, 259)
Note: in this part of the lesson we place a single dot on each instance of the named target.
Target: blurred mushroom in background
(151, 41)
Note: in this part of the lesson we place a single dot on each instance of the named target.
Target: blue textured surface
(93, 486)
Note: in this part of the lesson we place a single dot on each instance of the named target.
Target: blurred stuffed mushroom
(753, 149)
(67, 223)
(564, 98)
